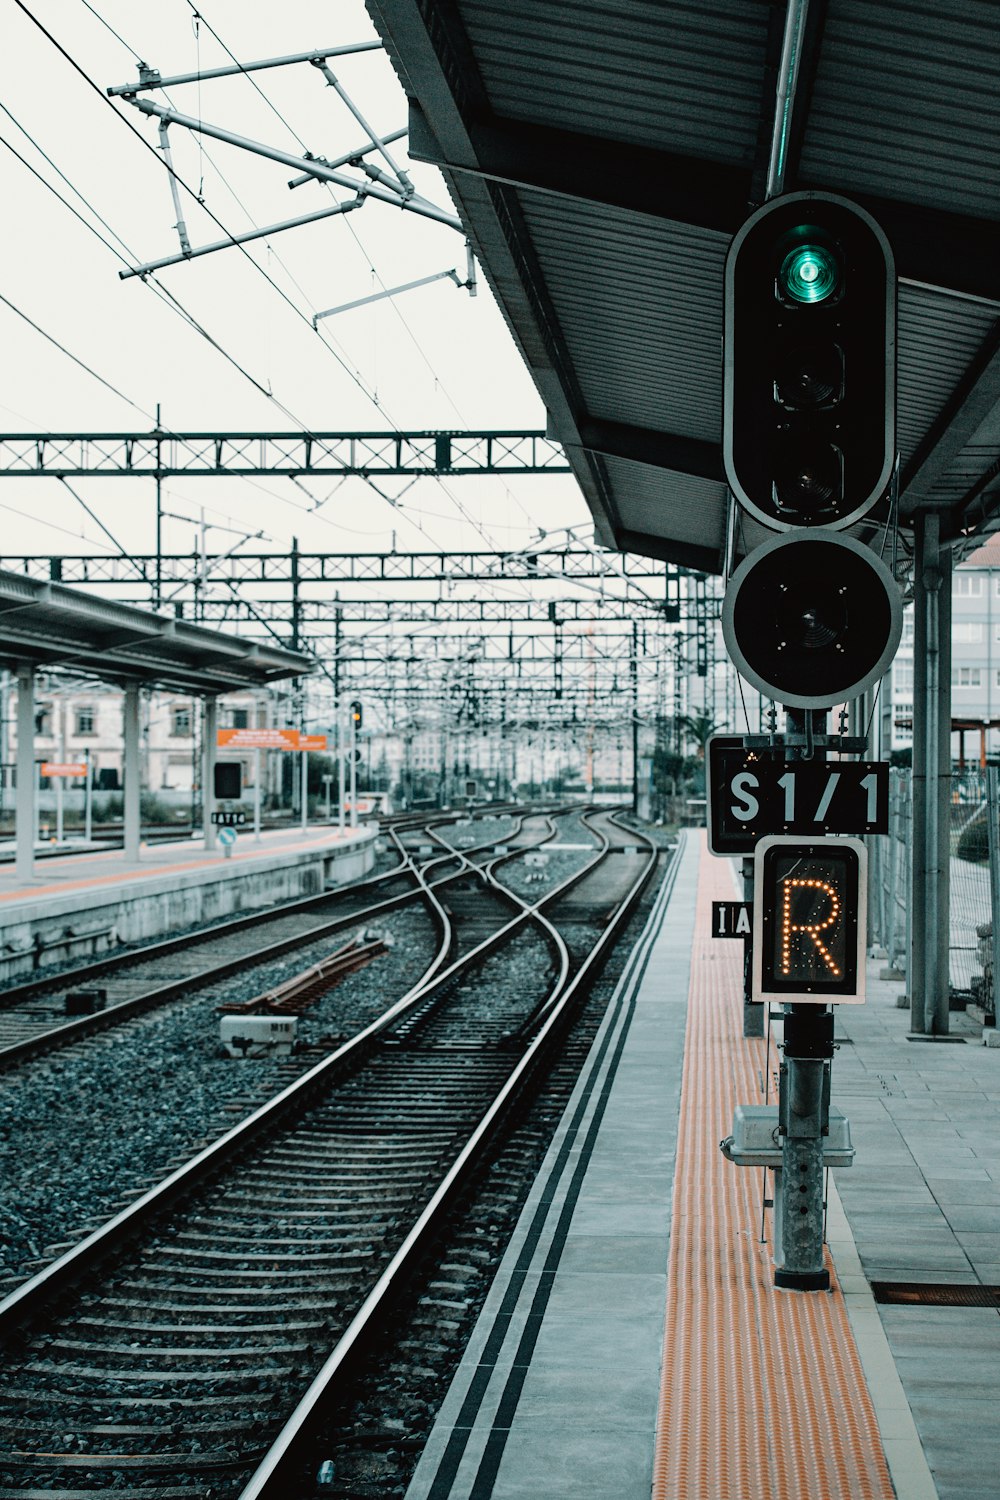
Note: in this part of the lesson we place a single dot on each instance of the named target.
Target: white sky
(434, 358)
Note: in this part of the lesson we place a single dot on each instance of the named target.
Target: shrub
(973, 842)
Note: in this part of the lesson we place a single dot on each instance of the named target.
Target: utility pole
(158, 586)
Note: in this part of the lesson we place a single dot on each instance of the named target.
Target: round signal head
(812, 618)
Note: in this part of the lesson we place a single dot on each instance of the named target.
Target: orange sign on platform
(312, 741)
(64, 768)
(257, 739)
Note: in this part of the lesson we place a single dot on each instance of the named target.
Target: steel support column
(24, 815)
(930, 926)
(210, 722)
(132, 770)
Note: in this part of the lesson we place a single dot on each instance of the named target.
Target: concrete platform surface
(55, 875)
(83, 905)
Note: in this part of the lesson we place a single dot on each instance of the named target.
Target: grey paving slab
(924, 1205)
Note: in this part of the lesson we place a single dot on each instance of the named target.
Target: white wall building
(80, 722)
(975, 661)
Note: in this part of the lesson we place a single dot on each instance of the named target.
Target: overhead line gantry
(163, 454)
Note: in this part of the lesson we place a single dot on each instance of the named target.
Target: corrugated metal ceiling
(574, 65)
(637, 302)
(608, 264)
(905, 104)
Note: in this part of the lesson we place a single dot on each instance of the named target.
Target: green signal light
(809, 274)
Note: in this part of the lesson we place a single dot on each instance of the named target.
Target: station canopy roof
(602, 154)
(47, 625)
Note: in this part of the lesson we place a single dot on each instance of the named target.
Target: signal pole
(803, 1119)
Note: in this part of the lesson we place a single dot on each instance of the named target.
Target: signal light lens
(808, 622)
(808, 480)
(809, 377)
(809, 274)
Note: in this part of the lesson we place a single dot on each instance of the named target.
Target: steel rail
(271, 1478)
(42, 1043)
(29, 989)
(67, 1270)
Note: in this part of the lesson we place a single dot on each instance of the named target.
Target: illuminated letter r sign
(809, 920)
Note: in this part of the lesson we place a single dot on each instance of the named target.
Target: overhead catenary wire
(304, 427)
(98, 522)
(51, 338)
(357, 239)
(327, 520)
(265, 391)
(122, 255)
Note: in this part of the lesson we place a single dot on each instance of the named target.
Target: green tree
(699, 728)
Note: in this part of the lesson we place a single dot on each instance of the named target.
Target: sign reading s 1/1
(810, 897)
(753, 793)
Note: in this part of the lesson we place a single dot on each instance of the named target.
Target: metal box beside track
(257, 1036)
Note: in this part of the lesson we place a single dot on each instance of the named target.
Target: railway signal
(357, 714)
(809, 435)
(228, 779)
(812, 618)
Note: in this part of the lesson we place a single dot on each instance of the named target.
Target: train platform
(633, 1343)
(83, 904)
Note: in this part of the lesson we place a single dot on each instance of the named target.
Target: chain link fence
(891, 874)
(974, 848)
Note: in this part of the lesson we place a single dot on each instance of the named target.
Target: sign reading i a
(732, 919)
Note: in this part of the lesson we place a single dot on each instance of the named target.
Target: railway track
(86, 1129)
(185, 1323)
(36, 1016)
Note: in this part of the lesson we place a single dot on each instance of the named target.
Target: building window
(180, 721)
(43, 718)
(241, 718)
(907, 638)
(967, 677)
(968, 632)
(85, 721)
(968, 585)
(902, 676)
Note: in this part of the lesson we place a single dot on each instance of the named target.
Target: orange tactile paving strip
(763, 1395)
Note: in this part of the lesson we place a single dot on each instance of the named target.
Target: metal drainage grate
(935, 1294)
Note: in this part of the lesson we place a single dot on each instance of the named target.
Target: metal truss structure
(554, 638)
(301, 455)
(297, 567)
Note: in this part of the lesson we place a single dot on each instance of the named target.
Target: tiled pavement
(923, 1202)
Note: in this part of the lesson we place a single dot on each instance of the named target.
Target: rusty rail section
(305, 988)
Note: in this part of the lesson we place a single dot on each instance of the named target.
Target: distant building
(975, 660)
(75, 722)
